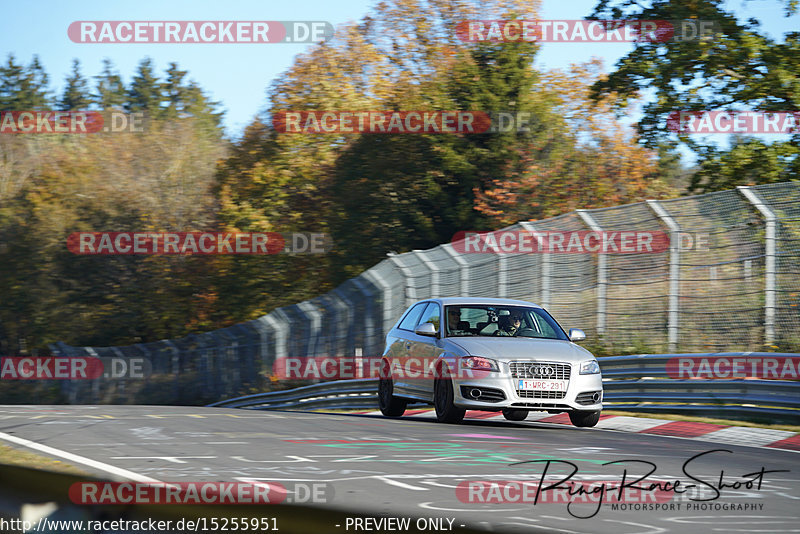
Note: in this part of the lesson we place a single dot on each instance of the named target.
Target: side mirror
(427, 329)
(576, 335)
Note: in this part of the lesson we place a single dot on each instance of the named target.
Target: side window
(410, 320)
(431, 315)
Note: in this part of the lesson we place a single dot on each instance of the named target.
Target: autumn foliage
(373, 193)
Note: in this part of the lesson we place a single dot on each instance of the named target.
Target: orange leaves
(598, 162)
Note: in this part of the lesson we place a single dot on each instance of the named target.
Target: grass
(23, 458)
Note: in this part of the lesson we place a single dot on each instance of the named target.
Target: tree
(735, 68)
(50, 186)
(23, 88)
(76, 93)
(110, 90)
(144, 92)
(174, 91)
(420, 188)
(595, 161)
(186, 99)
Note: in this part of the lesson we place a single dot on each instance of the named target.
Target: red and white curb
(722, 434)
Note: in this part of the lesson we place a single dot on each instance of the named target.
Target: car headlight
(478, 363)
(590, 367)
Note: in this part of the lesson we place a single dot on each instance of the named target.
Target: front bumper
(499, 390)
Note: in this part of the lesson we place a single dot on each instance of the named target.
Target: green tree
(186, 99)
(144, 92)
(110, 90)
(23, 88)
(738, 67)
(76, 93)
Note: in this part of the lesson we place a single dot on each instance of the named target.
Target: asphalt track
(411, 467)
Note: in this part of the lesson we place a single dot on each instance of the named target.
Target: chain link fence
(740, 291)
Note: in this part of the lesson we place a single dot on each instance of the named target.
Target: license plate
(543, 385)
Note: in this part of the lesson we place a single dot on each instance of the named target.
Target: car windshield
(502, 321)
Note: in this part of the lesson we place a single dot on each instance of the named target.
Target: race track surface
(410, 467)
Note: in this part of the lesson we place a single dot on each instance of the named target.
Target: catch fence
(739, 290)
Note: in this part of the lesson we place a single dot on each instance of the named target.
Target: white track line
(124, 473)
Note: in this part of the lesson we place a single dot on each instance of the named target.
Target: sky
(238, 75)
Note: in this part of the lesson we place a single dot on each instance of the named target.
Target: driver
(453, 318)
(514, 322)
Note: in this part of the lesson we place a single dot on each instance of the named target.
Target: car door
(401, 343)
(422, 353)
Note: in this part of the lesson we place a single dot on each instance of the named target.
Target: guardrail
(361, 393)
(639, 383)
(642, 383)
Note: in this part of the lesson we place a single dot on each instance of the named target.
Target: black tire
(389, 405)
(514, 414)
(584, 419)
(446, 411)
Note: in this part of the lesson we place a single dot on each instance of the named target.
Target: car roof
(482, 300)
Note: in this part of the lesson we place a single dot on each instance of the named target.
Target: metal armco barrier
(338, 394)
(642, 383)
(638, 383)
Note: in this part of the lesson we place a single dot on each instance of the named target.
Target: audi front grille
(540, 370)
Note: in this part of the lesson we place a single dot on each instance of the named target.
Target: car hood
(505, 349)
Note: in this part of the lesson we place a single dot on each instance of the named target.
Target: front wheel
(389, 405)
(515, 415)
(446, 410)
(584, 418)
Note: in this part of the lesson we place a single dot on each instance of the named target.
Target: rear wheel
(515, 415)
(584, 418)
(446, 410)
(389, 405)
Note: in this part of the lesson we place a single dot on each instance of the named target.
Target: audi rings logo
(543, 370)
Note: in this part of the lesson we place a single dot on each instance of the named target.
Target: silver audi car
(488, 354)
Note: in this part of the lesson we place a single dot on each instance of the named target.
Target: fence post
(544, 298)
(602, 272)
(434, 270)
(463, 268)
(350, 336)
(410, 292)
(262, 329)
(176, 370)
(386, 290)
(369, 339)
(281, 334)
(96, 381)
(769, 261)
(502, 274)
(315, 317)
(674, 270)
